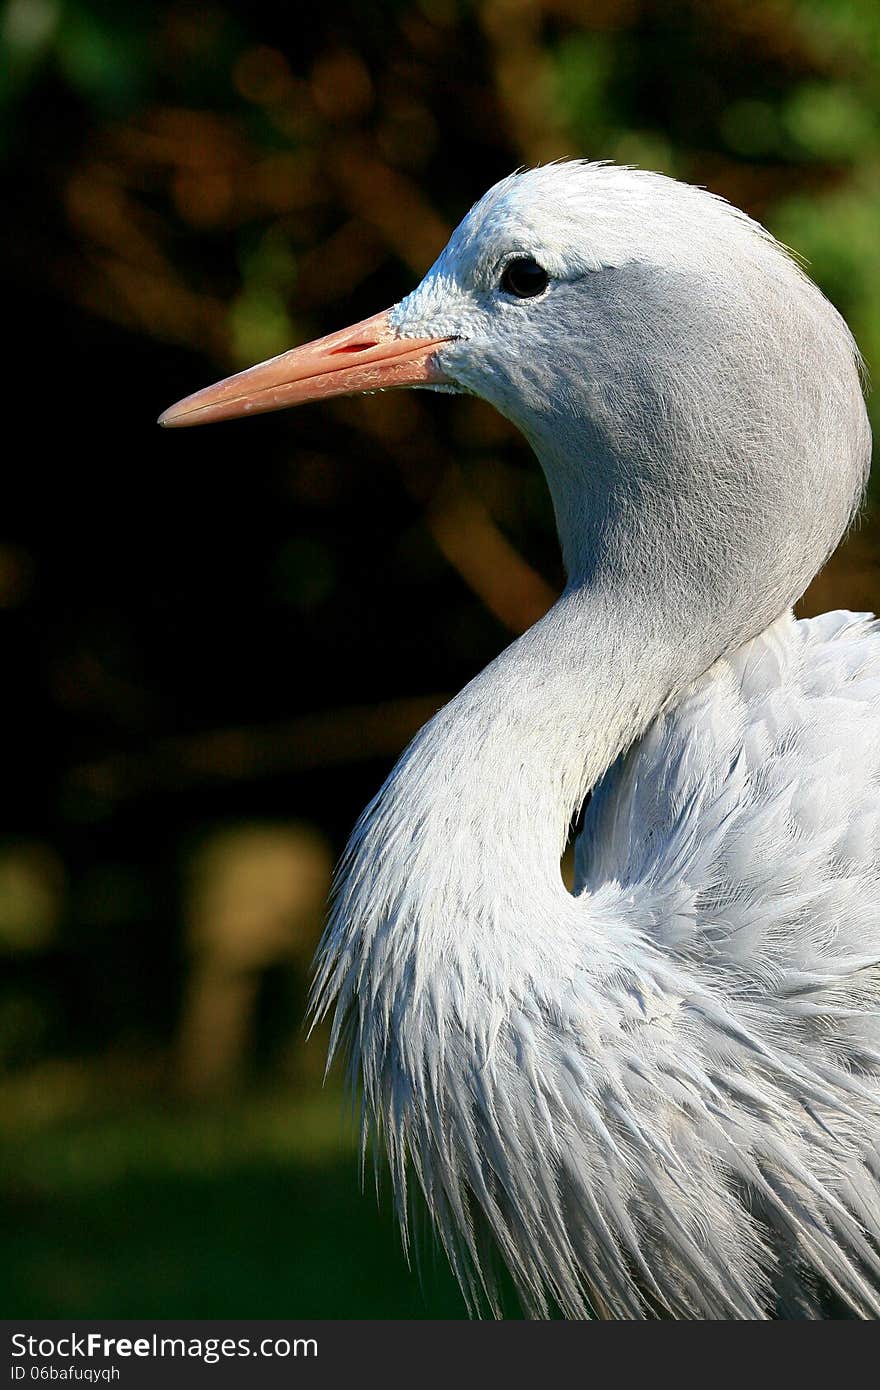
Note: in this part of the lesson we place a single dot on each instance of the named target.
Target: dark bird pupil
(524, 278)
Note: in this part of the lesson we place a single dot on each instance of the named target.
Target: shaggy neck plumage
(451, 883)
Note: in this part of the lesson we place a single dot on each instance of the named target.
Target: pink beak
(366, 357)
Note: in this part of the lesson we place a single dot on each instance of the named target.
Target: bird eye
(524, 278)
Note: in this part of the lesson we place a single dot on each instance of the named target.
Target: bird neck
(534, 732)
(452, 877)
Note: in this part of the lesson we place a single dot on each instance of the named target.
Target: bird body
(659, 1094)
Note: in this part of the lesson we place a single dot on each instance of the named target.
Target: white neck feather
(450, 898)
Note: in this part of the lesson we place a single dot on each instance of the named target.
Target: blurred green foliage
(243, 626)
(149, 1214)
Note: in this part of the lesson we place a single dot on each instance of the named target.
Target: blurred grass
(249, 1209)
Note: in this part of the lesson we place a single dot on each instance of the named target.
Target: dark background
(215, 642)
